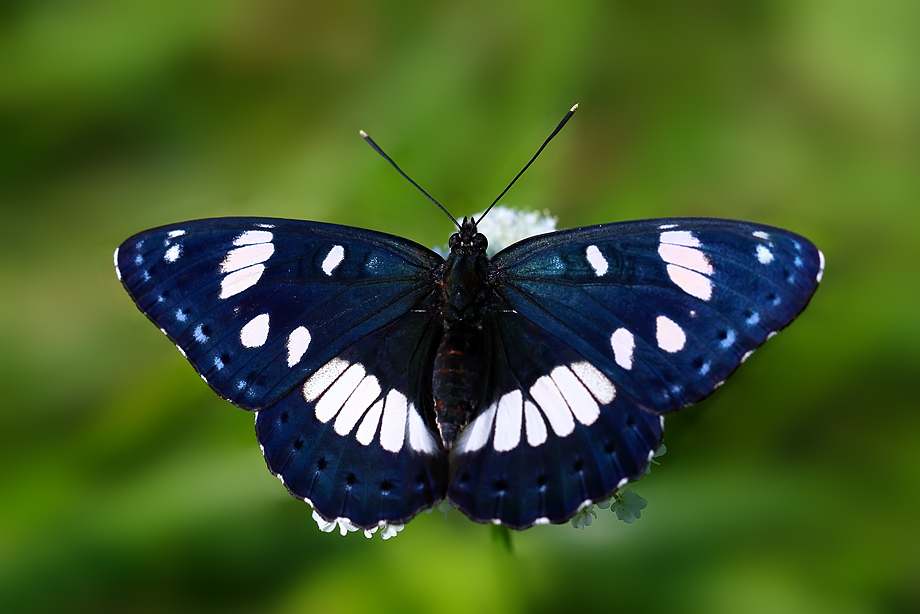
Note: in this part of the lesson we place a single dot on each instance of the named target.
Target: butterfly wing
(268, 310)
(599, 331)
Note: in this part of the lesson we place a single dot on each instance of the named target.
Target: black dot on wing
(465, 478)
(630, 421)
(350, 479)
(299, 444)
(386, 486)
(284, 418)
(500, 485)
(610, 447)
(321, 464)
(206, 330)
(697, 363)
(542, 480)
(723, 335)
(225, 358)
(578, 465)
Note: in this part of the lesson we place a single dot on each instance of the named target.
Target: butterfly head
(468, 240)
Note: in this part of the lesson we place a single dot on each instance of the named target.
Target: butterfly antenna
(565, 119)
(376, 147)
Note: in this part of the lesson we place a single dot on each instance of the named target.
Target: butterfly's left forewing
(257, 304)
(597, 332)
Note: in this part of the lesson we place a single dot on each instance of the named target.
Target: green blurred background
(126, 485)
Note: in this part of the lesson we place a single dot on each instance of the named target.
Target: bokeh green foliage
(126, 485)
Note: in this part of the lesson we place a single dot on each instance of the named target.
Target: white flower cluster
(345, 527)
(626, 504)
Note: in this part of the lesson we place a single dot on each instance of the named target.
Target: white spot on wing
(754, 319)
(761, 235)
(393, 425)
(686, 257)
(368, 427)
(553, 406)
(115, 260)
(317, 383)
(333, 259)
(173, 253)
(534, 424)
(362, 397)
(420, 438)
(255, 332)
(729, 339)
(172, 234)
(820, 275)
(670, 335)
(477, 433)
(297, 344)
(508, 421)
(251, 237)
(598, 384)
(691, 282)
(680, 237)
(181, 316)
(623, 344)
(237, 281)
(580, 401)
(332, 400)
(764, 255)
(248, 255)
(596, 260)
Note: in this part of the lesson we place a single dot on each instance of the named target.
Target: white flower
(505, 226)
(659, 452)
(325, 526)
(628, 505)
(584, 517)
(390, 530)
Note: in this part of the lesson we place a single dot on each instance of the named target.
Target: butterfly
(386, 378)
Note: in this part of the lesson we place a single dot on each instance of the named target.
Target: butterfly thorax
(458, 375)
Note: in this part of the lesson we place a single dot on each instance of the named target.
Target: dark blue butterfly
(522, 387)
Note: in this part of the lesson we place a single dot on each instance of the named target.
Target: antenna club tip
(574, 108)
(364, 134)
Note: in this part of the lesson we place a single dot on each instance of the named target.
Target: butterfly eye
(480, 242)
(453, 240)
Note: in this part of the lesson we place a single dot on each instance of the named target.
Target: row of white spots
(347, 393)
(333, 259)
(596, 260)
(670, 336)
(243, 264)
(687, 265)
(567, 394)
